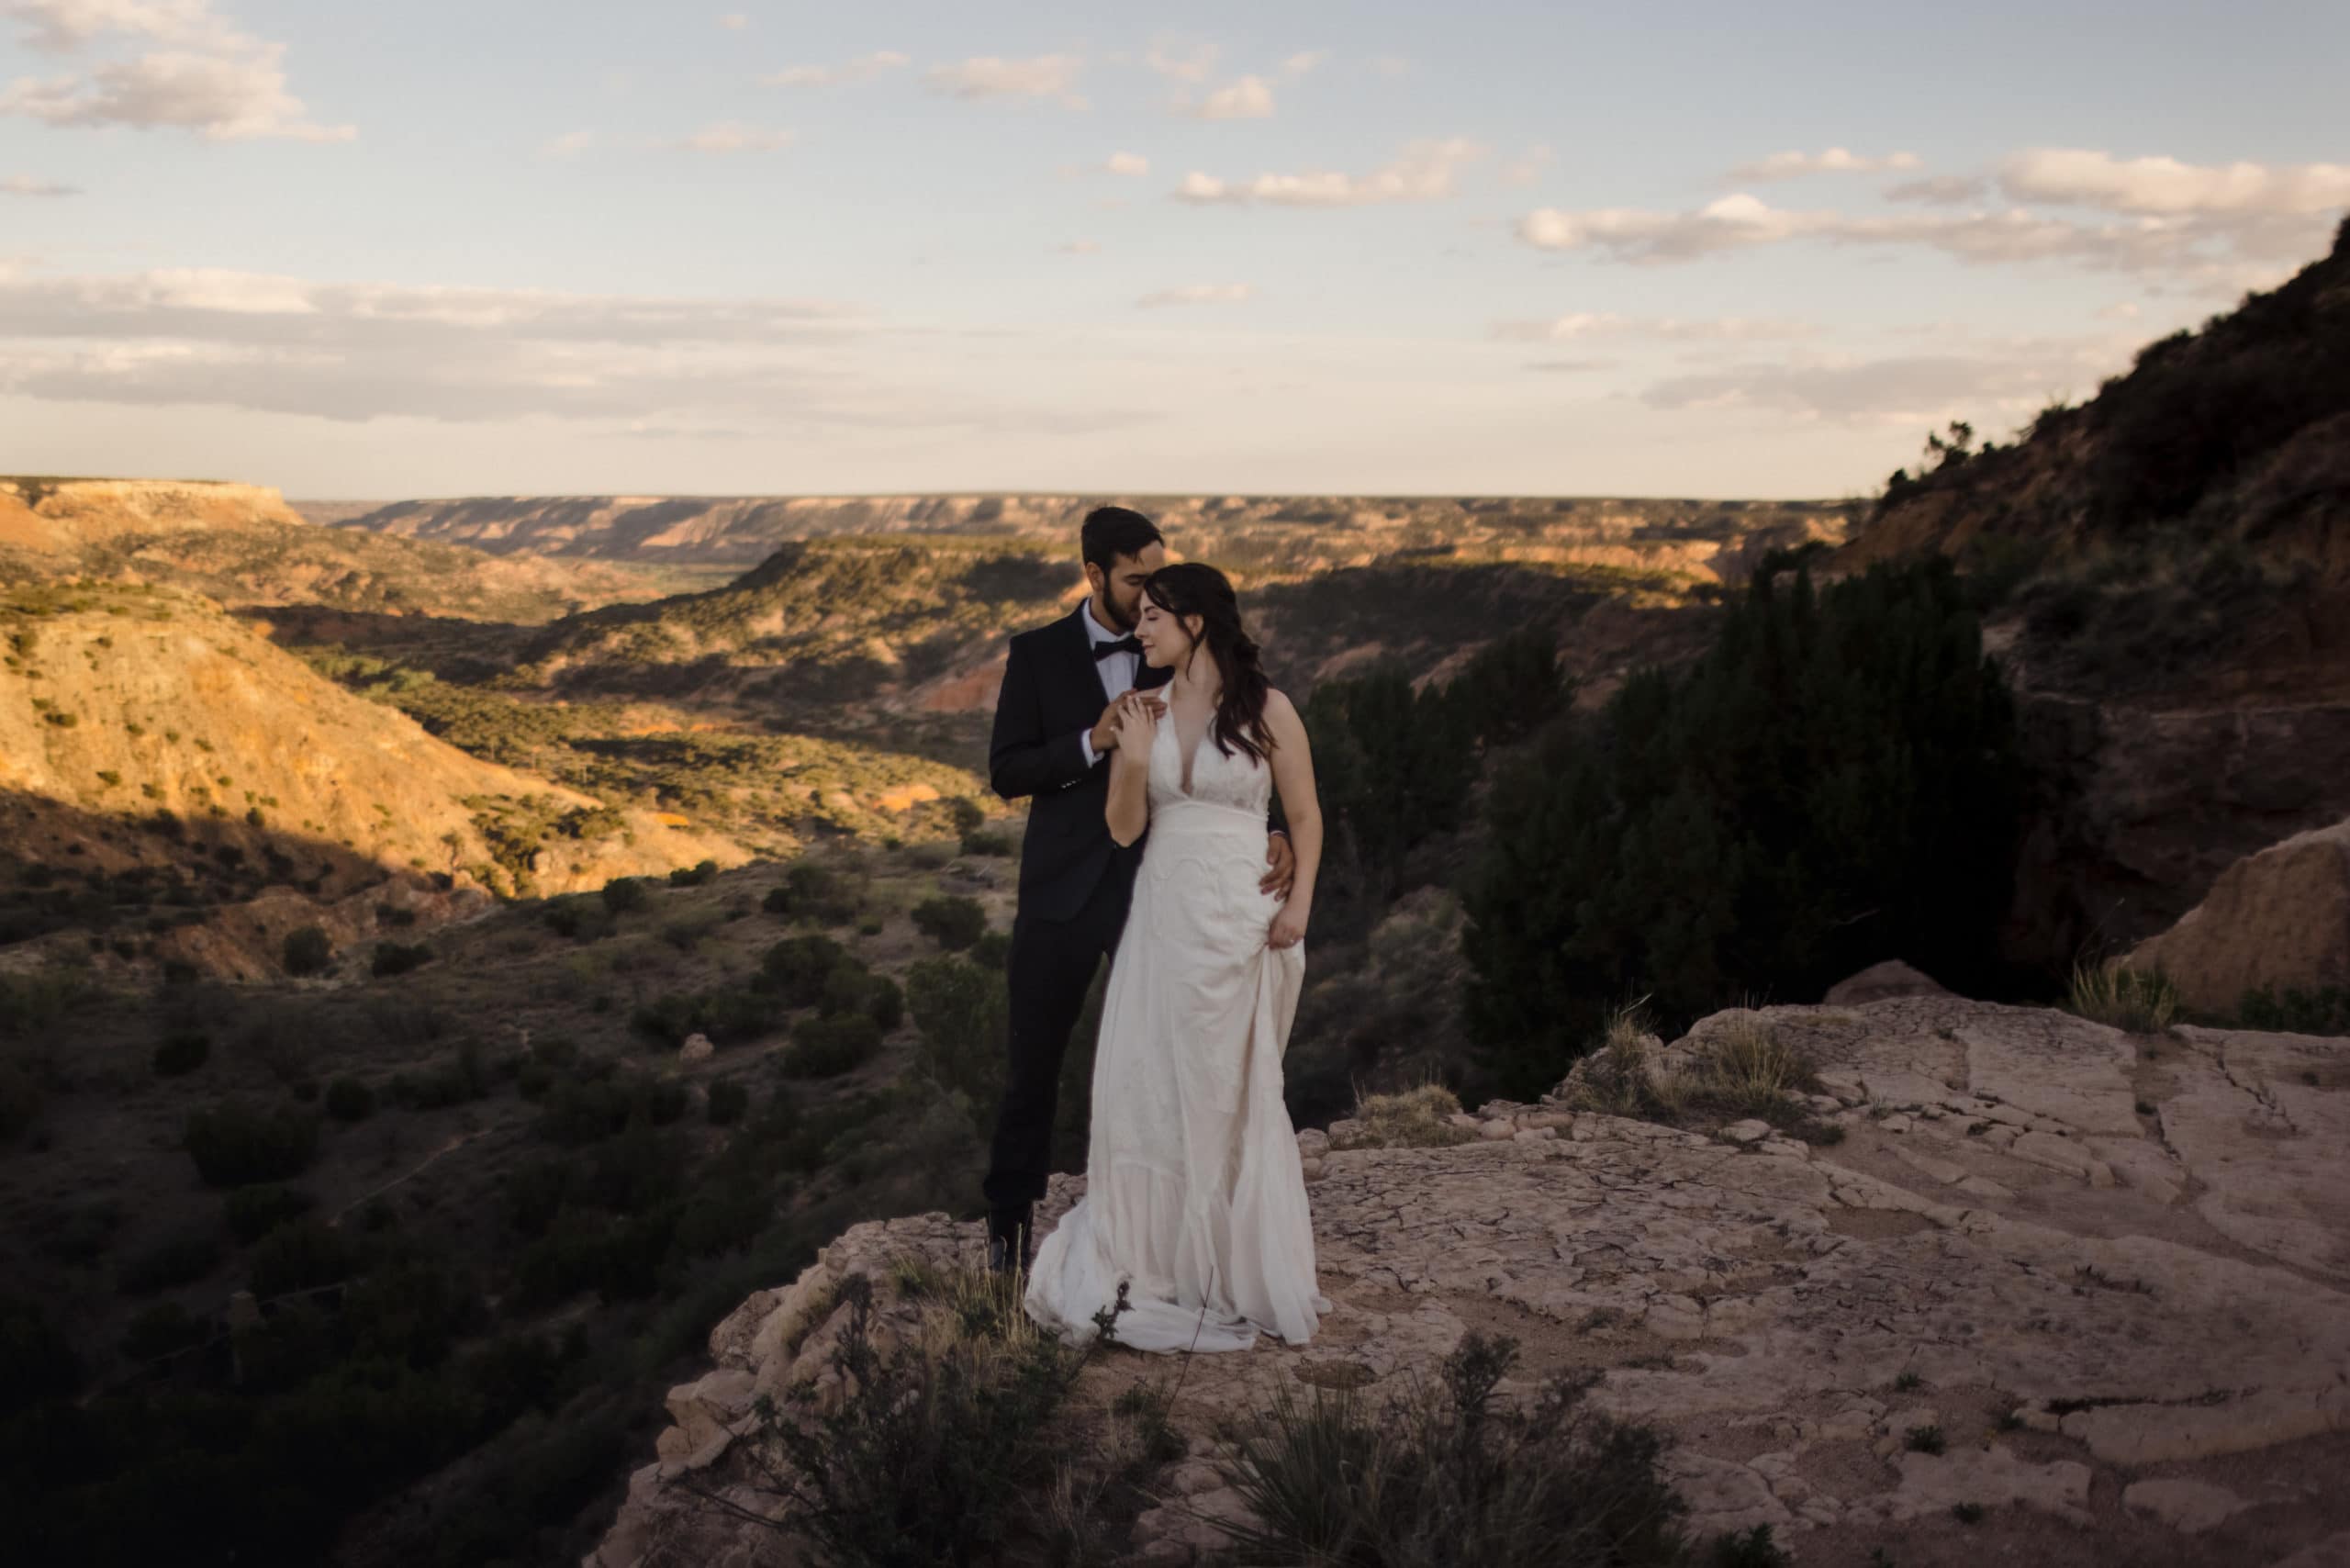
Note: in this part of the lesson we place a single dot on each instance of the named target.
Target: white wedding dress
(1194, 1196)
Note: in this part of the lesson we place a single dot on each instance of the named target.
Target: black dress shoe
(1010, 1242)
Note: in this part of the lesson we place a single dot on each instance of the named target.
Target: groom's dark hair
(1112, 532)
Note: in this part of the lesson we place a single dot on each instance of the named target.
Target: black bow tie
(1122, 645)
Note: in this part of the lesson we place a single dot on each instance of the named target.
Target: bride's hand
(1137, 722)
(1288, 928)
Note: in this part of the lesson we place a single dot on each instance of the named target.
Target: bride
(1195, 1200)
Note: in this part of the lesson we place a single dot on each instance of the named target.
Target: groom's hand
(1105, 732)
(1281, 866)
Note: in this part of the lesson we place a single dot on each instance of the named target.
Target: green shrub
(695, 876)
(21, 1100)
(253, 1212)
(992, 951)
(1449, 1474)
(162, 1328)
(583, 916)
(236, 1145)
(307, 951)
(798, 968)
(169, 1263)
(853, 988)
(624, 895)
(298, 1255)
(1392, 768)
(36, 1360)
(728, 1102)
(953, 923)
(985, 841)
(399, 958)
(182, 1051)
(963, 1013)
(2325, 1010)
(350, 1100)
(815, 892)
(825, 1048)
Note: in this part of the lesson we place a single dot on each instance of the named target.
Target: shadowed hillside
(2165, 571)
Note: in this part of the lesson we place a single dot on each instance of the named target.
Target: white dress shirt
(1115, 670)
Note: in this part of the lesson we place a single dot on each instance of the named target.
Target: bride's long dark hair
(1193, 588)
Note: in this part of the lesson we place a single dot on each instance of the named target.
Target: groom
(1052, 736)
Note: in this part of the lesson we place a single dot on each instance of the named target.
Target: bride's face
(1165, 641)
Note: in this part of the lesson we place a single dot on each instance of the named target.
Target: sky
(764, 246)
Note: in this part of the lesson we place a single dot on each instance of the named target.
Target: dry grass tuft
(2135, 1001)
(1418, 1118)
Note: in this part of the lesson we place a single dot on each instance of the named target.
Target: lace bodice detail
(1239, 781)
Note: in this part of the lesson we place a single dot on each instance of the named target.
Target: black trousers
(1051, 969)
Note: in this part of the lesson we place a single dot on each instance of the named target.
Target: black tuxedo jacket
(1052, 695)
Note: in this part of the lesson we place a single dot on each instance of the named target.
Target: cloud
(1941, 190)
(2167, 187)
(989, 76)
(1427, 171)
(1607, 324)
(1128, 164)
(1527, 166)
(2013, 378)
(1303, 62)
(1077, 247)
(733, 21)
(1197, 294)
(1252, 98)
(570, 144)
(201, 75)
(864, 68)
(25, 186)
(2206, 250)
(1834, 160)
(359, 352)
(1193, 63)
(733, 136)
(1571, 366)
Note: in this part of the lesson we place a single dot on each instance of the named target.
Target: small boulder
(1880, 982)
(696, 1048)
(1749, 1131)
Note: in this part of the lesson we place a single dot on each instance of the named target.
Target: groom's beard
(1116, 619)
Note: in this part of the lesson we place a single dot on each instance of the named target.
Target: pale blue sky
(521, 246)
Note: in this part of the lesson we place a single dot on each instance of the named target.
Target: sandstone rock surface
(2150, 1368)
(2279, 918)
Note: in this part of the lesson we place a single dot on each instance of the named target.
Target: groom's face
(1119, 591)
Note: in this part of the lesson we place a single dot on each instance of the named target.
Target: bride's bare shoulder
(1282, 716)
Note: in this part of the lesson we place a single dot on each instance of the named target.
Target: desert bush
(853, 988)
(992, 951)
(582, 916)
(308, 951)
(1417, 1118)
(1450, 1474)
(695, 876)
(963, 1014)
(253, 1212)
(181, 1052)
(296, 1255)
(350, 1100)
(728, 1102)
(36, 1360)
(235, 1144)
(2325, 1010)
(399, 958)
(811, 892)
(989, 841)
(954, 923)
(625, 895)
(955, 1429)
(798, 968)
(2135, 1001)
(175, 1260)
(162, 1328)
(1746, 1066)
(21, 1100)
(685, 932)
(35, 1001)
(825, 1048)
(1837, 778)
